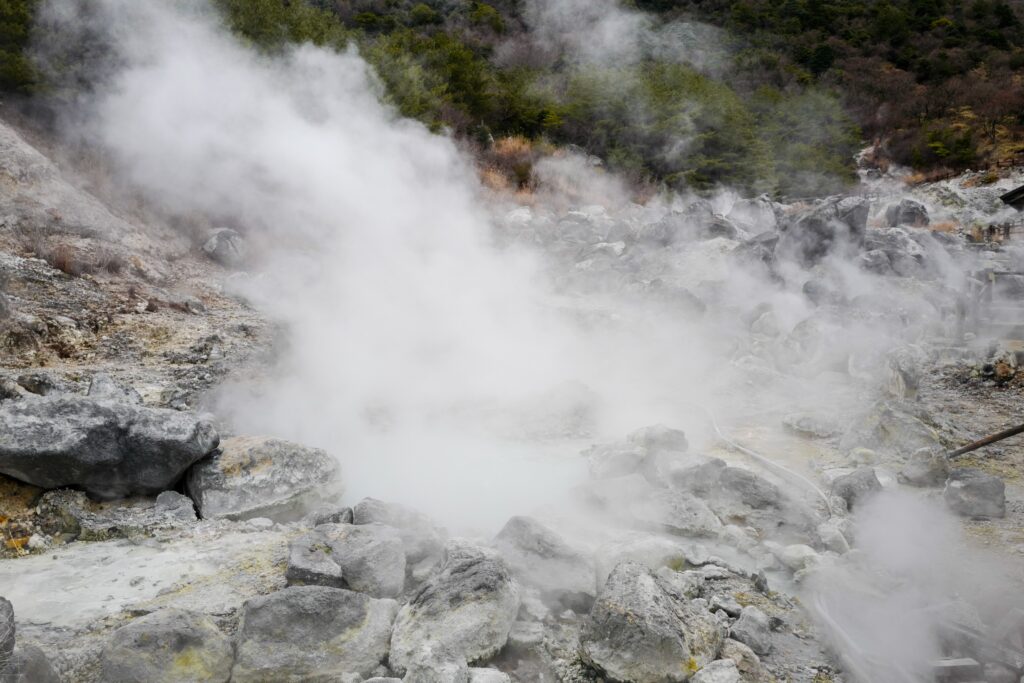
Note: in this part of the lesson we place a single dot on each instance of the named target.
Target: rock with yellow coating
(638, 632)
(312, 633)
(169, 646)
(255, 476)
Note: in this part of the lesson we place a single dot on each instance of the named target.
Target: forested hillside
(759, 95)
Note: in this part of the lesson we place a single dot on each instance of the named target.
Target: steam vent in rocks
(581, 341)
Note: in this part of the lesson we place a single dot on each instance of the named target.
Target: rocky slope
(145, 541)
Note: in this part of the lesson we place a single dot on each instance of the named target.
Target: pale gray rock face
(111, 449)
(541, 558)
(371, 557)
(422, 539)
(752, 629)
(907, 212)
(973, 493)
(462, 614)
(169, 646)
(103, 386)
(253, 476)
(28, 664)
(638, 633)
(312, 633)
(718, 671)
(226, 247)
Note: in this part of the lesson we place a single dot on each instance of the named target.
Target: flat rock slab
(109, 448)
(74, 586)
(254, 476)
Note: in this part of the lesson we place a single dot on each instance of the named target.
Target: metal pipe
(999, 436)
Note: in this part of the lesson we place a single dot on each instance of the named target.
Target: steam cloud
(445, 372)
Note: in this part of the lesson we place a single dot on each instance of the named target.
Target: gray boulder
(888, 427)
(311, 633)
(169, 646)
(7, 630)
(972, 493)
(109, 448)
(371, 557)
(676, 512)
(753, 630)
(834, 224)
(698, 474)
(421, 538)
(28, 664)
(368, 558)
(749, 488)
(638, 633)
(907, 212)
(541, 558)
(925, 468)
(225, 246)
(253, 476)
(857, 486)
(462, 614)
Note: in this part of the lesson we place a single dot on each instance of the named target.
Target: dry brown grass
(944, 226)
(512, 157)
(931, 176)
